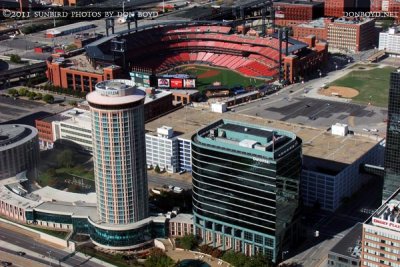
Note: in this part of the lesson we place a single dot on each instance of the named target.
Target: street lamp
(49, 252)
(284, 253)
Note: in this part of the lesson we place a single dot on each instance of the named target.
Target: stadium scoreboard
(140, 78)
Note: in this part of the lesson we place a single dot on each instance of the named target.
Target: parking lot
(25, 111)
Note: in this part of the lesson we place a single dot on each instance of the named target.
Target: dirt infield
(340, 91)
(209, 73)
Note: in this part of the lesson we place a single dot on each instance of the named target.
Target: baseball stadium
(162, 47)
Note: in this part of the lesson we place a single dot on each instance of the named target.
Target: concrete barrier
(159, 244)
(52, 239)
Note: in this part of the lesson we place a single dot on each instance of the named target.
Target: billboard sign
(163, 83)
(279, 14)
(176, 83)
(189, 83)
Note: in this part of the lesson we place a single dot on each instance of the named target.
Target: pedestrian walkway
(180, 255)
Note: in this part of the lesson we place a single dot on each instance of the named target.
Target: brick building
(293, 12)
(45, 133)
(336, 8)
(346, 35)
(298, 66)
(385, 5)
(352, 34)
(78, 74)
(315, 27)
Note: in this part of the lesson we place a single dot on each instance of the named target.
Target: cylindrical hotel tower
(119, 151)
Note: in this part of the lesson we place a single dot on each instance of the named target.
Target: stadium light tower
(123, 6)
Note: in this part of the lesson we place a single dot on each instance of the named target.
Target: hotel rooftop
(388, 215)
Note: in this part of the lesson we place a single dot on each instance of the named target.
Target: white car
(178, 189)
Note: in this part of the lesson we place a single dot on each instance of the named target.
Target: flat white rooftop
(51, 194)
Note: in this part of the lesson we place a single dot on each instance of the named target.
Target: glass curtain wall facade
(245, 199)
(392, 150)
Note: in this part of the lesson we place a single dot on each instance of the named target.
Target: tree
(39, 96)
(65, 159)
(72, 103)
(71, 47)
(157, 169)
(188, 242)
(22, 91)
(158, 258)
(15, 58)
(31, 95)
(13, 92)
(49, 99)
(239, 259)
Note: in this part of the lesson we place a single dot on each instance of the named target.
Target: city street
(43, 251)
(160, 180)
(334, 226)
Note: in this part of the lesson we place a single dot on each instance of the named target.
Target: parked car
(178, 189)
(21, 253)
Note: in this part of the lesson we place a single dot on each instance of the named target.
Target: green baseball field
(208, 75)
(372, 85)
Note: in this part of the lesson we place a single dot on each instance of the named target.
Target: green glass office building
(246, 187)
(392, 150)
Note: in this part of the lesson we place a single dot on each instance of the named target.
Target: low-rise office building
(290, 12)
(341, 158)
(343, 34)
(327, 180)
(316, 27)
(162, 149)
(351, 35)
(347, 252)
(74, 124)
(390, 42)
(181, 225)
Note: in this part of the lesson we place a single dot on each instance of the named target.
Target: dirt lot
(345, 92)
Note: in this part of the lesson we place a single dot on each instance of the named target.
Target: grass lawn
(117, 260)
(372, 85)
(78, 178)
(59, 234)
(226, 77)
